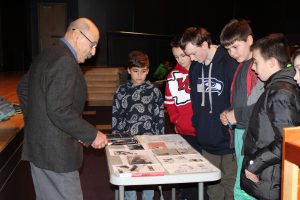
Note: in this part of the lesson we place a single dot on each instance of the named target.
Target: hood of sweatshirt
(284, 75)
(129, 85)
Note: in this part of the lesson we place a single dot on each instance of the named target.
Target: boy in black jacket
(278, 107)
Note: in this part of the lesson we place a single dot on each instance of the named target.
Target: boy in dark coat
(278, 107)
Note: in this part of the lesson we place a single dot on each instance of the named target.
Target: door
(52, 23)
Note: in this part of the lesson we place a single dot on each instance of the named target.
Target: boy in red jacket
(177, 97)
(179, 106)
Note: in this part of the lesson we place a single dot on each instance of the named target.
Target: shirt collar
(70, 47)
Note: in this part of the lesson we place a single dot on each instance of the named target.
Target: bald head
(83, 35)
(83, 24)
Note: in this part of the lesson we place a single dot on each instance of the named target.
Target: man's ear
(128, 70)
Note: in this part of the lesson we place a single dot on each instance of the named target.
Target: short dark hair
(175, 41)
(138, 59)
(196, 36)
(295, 55)
(274, 45)
(235, 30)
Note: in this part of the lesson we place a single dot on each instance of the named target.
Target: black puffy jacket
(277, 107)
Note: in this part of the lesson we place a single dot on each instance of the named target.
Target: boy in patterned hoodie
(138, 107)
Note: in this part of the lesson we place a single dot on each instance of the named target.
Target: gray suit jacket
(52, 96)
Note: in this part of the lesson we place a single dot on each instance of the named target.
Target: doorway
(52, 23)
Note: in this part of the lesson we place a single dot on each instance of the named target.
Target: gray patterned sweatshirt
(138, 109)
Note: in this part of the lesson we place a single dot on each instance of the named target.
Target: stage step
(102, 83)
(99, 102)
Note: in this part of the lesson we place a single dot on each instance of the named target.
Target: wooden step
(104, 70)
(95, 86)
(101, 84)
(108, 78)
(104, 90)
(100, 96)
(103, 126)
(99, 102)
(89, 112)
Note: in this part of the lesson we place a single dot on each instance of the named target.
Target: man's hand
(251, 176)
(100, 141)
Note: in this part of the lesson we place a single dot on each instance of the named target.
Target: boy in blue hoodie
(211, 75)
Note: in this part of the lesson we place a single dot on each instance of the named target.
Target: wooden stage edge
(8, 85)
(10, 128)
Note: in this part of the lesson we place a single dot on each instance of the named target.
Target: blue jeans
(146, 194)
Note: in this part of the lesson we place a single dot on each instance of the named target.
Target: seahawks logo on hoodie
(216, 85)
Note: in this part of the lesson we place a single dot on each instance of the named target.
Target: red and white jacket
(178, 100)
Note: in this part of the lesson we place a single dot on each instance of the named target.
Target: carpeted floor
(95, 179)
(93, 175)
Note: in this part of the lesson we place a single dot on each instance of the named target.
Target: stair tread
(99, 99)
(102, 91)
(99, 103)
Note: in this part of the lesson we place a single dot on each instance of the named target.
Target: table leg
(173, 193)
(121, 192)
(116, 194)
(200, 191)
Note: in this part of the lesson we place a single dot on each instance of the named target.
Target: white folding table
(213, 175)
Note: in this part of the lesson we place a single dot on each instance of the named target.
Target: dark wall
(19, 32)
(19, 42)
(168, 17)
(121, 43)
(109, 15)
(14, 46)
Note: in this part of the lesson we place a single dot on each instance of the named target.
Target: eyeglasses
(93, 44)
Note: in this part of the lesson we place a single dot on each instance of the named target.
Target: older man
(52, 96)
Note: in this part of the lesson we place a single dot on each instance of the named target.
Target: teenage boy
(277, 107)
(179, 106)
(237, 38)
(177, 97)
(138, 107)
(296, 64)
(211, 75)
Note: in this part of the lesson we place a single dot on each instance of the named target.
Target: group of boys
(210, 96)
(197, 91)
